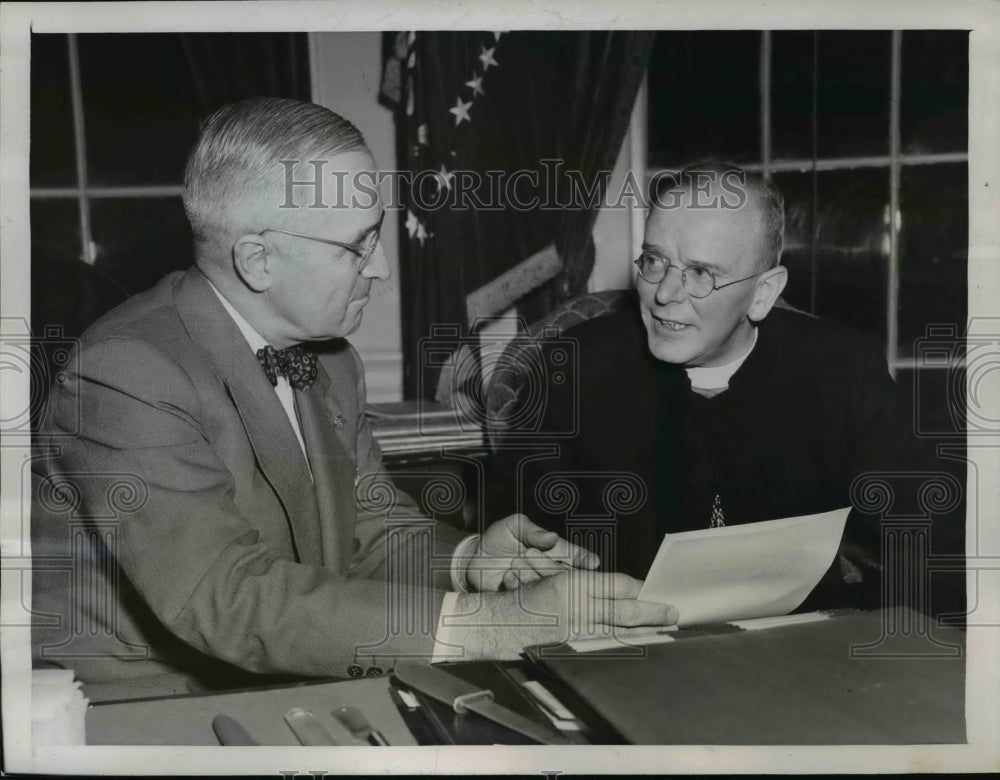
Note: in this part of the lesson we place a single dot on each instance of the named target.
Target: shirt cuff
(442, 650)
(460, 562)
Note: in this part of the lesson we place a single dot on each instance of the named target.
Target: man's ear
(252, 263)
(766, 291)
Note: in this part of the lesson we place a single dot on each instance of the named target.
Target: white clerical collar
(254, 339)
(717, 377)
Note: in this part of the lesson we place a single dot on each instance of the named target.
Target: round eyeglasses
(698, 281)
(363, 251)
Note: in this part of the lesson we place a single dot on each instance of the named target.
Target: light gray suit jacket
(175, 526)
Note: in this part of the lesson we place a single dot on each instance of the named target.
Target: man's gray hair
(236, 166)
(757, 190)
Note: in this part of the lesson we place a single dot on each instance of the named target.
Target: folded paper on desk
(744, 571)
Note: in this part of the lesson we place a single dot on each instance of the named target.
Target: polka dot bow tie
(294, 363)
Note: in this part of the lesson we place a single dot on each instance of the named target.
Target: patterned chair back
(506, 394)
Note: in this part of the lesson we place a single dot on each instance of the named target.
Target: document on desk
(744, 571)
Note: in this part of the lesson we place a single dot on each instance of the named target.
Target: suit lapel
(326, 428)
(274, 444)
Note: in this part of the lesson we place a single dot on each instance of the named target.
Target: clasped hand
(553, 595)
(514, 551)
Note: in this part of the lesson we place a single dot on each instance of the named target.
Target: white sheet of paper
(744, 571)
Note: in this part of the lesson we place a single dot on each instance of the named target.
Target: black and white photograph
(524, 388)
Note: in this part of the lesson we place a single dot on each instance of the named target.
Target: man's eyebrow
(708, 266)
(370, 229)
(691, 261)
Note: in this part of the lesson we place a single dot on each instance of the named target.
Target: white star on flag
(444, 178)
(421, 233)
(487, 58)
(461, 111)
(477, 86)
(496, 36)
(411, 223)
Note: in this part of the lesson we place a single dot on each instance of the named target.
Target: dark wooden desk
(786, 685)
(872, 678)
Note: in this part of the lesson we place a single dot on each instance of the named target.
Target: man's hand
(514, 552)
(587, 602)
(575, 604)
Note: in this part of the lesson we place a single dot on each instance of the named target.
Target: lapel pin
(339, 421)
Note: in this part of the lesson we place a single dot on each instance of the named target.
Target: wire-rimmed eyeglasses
(363, 251)
(697, 280)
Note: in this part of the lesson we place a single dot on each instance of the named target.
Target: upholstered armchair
(514, 372)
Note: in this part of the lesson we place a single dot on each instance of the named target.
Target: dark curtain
(226, 67)
(553, 106)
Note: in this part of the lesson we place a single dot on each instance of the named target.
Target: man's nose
(377, 266)
(671, 287)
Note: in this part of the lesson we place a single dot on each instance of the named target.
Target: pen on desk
(309, 730)
(356, 722)
(230, 732)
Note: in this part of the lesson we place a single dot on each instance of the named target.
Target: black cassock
(810, 410)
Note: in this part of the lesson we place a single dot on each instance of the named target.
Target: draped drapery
(506, 142)
(227, 67)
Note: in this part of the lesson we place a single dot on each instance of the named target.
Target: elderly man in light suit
(261, 539)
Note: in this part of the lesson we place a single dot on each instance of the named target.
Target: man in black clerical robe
(725, 408)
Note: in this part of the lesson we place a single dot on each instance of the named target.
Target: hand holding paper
(744, 571)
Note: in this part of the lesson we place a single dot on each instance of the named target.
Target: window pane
(55, 231)
(139, 240)
(848, 275)
(935, 101)
(141, 108)
(791, 95)
(704, 97)
(145, 95)
(933, 250)
(853, 93)
(53, 161)
(797, 256)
